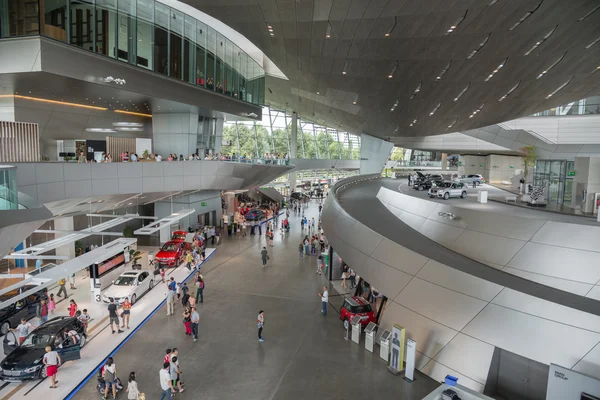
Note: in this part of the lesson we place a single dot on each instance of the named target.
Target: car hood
(166, 254)
(22, 357)
(118, 291)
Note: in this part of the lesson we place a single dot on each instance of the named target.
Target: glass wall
(272, 136)
(8, 188)
(145, 33)
(555, 173)
(591, 105)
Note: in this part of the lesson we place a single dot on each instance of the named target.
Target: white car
(448, 189)
(130, 284)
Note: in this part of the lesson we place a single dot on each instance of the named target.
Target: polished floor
(304, 355)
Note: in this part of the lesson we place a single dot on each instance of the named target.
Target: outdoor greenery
(397, 154)
(529, 157)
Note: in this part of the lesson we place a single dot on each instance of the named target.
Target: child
(85, 318)
(162, 274)
(72, 308)
(51, 304)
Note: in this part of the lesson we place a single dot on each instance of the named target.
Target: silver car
(471, 179)
(449, 189)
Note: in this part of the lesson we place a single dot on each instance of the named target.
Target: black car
(11, 315)
(24, 362)
(256, 214)
(299, 196)
(427, 184)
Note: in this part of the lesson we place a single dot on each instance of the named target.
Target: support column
(293, 147)
(174, 133)
(444, 161)
(374, 153)
(65, 224)
(218, 135)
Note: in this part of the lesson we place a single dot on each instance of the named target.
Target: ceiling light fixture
(328, 31)
(524, 17)
(100, 130)
(539, 42)
(494, 72)
(417, 90)
(512, 89)
(133, 113)
(479, 47)
(462, 92)
(395, 105)
(593, 10)
(452, 124)
(391, 75)
(128, 129)
(544, 72)
(435, 109)
(345, 67)
(477, 111)
(118, 81)
(455, 25)
(413, 122)
(134, 124)
(318, 93)
(389, 32)
(441, 74)
(592, 43)
(62, 103)
(559, 88)
(492, 3)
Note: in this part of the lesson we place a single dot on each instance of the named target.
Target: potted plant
(528, 156)
(229, 229)
(146, 154)
(134, 256)
(78, 248)
(128, 232)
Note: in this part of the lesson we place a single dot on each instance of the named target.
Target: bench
(511, 198)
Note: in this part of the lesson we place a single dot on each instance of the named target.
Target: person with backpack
(200, 289)
(109, 374)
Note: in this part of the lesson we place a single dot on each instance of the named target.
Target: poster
(398, 344)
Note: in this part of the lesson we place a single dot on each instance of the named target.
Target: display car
(179, 236)
(24, 362)
(427, 184)
(471, 179)
(171, 254)
(354, 306)
(130, 284)
(449, 189)
(10, 316)
(256, 214)
(299, 196)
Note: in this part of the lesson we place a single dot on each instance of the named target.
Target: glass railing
(403, 163)
(145, 33)
(589, 106)
(9, 195)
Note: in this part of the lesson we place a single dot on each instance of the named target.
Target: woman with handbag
(187, 321)
(133, 392)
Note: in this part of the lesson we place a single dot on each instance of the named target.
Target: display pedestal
(394, 371)
(482, 196)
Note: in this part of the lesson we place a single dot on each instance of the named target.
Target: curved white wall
(456, 318)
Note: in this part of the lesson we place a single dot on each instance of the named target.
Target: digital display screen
(97, 270)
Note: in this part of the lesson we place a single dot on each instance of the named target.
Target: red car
(179, 236)
(171, 254)
(356, 306)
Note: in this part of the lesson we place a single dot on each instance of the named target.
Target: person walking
(72, 308)
(109, 374)
(51, 304)
(200, 289)
(72, 281)
(324, 299)
(62, 289)
(212, 234)
(187, 321)
(112, 316)
(166, 384)
(51, 361)
(195, 318)
(188, 260)
(306, 248)
(300, 251)
(133, 393)
(261, 324)
(42, 311)
(170, 302)
(126, 305)
(265, 256)
(175, 373)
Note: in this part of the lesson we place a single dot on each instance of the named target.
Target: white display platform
(482, 196)
(101, 342)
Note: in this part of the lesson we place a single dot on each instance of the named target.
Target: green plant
(146, 154)
(128, 232)
(134, 255)
(528, 156)
(78, 248)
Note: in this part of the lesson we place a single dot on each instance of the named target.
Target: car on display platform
(171, 254)
(471, 179)
(256, 214)
(354, 306)
(449, 189)
(427, 184)
(179, 236)
(299, 196)
(130, 284)
(10, 316)
(65, 335)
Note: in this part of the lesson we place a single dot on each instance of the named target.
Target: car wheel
(346, 323)
(151, 285)
(446, 196)
(133, 299)
(4, 328)
(43, 373)
(431, 197)
(83, 341)
(463, 194)
(421, 188)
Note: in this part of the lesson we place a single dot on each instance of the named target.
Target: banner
(411, 348)
(398, 344)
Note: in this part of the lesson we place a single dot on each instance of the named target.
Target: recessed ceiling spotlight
(510, 91)
(318, 93)
(593, 10)
(328, 31)
(435, 109)
(559, 88)
(391, 29)
(496, 70)
(593, 43)
(417, 90)
(539, 42)
(462, 92)
(455, 25)
(479, 47)
(345, 67)
(544, 72)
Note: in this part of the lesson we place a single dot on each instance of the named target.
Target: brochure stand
(370, 336)
(384, 345)
(356, 329)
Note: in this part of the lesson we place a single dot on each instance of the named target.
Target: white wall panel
(103, 187)
(152, 169)
(458, 281)
(130, 169)
(26, 175)
(48, 172)
(104, 170)
(562, 284)
(532, 337)
(130, 185)
(569, 235)
(438, 372)
(501, 225)
(589, 364)
(594, 293)
(560, 262)
(174, 183)
(439, 232)
(77, 172)
(420, 207)
(542, 308)
(399, 257)
(78, 189)
(412, 220)
(49, 192)
(386, 279)
(445, 306)
(173, 168)
(495, 249)
(430, 336)
(364, 239)
(468, 356)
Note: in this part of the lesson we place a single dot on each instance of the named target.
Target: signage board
(398, 345)
(570, 173)
(203, 204)
(411, 348)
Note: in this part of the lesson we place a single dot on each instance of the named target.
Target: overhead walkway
(463, 286)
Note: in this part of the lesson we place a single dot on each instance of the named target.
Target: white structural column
(175, 133)
(374, 153)
(293, 147)
(587, 178)
(65, 224)
(218, 134)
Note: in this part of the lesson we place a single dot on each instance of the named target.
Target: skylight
(455, 25)
(593, 10)
(417, 90)
(435, 109)
(477, 111)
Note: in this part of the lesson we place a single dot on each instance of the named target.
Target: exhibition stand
(444, 392)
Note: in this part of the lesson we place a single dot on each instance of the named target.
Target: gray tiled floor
(304, 355)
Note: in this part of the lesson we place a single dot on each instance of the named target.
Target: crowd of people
(126, 156)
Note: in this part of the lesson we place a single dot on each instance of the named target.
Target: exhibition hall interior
(300, 199)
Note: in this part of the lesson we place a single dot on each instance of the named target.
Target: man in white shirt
(158, 158)
(165, 382)
(324, 299)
